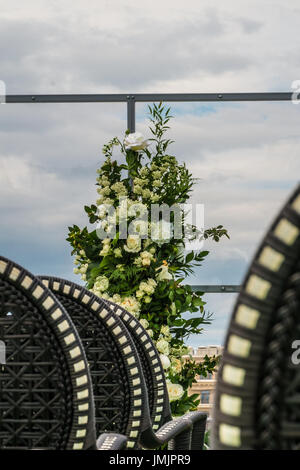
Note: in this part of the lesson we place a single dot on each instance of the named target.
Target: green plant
(144, 271)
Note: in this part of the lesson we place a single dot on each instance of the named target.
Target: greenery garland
(145, 275)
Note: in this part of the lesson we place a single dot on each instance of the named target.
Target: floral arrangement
(144, 271)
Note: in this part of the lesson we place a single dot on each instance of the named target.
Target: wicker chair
(46, 396)
(258, 389)
(155, 381)
(120, 391)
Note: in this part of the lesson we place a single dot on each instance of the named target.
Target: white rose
(132, 305)
(143, 286)
(165, 330)
(133, 244)
(146, 261)
(175, 391)
(135, 141)
(163, 274)
(163, 346)
(165, 361)
(148, 289)
(118, 253)
(83, 268)
(116, 298)
(146, 193)
(102, 283)
(144, 323)
(139, 294)
(105, 250)
(155, 198)
(144, 171)
(137, 189)
(102, 211)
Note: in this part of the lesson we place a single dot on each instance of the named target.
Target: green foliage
(144, 274)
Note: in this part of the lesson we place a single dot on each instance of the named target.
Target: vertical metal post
(131, 113)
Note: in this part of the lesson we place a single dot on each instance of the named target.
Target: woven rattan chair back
(258, 387)
(153, 371)
(156, 385)
(120, 327)
(45, 388)
(121, 400)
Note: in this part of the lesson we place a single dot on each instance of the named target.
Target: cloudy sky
(245, 154)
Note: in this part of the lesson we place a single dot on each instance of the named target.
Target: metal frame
(131, 99)
(219, 289)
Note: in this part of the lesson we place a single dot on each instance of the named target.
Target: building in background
(205, 386)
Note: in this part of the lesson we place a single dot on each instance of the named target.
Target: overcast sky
(245, 154)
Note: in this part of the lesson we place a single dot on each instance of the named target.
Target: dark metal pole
(131, 113)
(219, 289)
(150, 97)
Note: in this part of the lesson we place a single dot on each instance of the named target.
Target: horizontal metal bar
(220, 289)
(149, 97)
(113, 98)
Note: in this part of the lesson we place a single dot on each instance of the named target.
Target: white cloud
(246, 155)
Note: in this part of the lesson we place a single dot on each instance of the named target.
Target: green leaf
(189, 257)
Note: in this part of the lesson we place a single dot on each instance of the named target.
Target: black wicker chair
(258, 389)
(46, 396)
(120, 392)
(155, 380)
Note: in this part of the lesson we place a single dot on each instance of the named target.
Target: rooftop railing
(131, 99)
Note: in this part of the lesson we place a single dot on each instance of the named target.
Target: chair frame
(158, 426)
(47, 313)
(255, 376)
(178, 431)
(156, 384)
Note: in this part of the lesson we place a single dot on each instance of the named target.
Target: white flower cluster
(106, 247)
(132, 305)
(119, 189)
(83, 263)
(135, 141)
(145, 324)
(145, 258)
(105, 188)
(145, 290)
(133, 244)
(100, 286)
(175, 391)
(163, 346)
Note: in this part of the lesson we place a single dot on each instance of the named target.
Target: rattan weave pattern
(111, 393)
(256, 384)
(278, 414)
(140, 430)
(156, 385)
(153, 371)
(45, 389)
(119, 389)
(36, 408)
